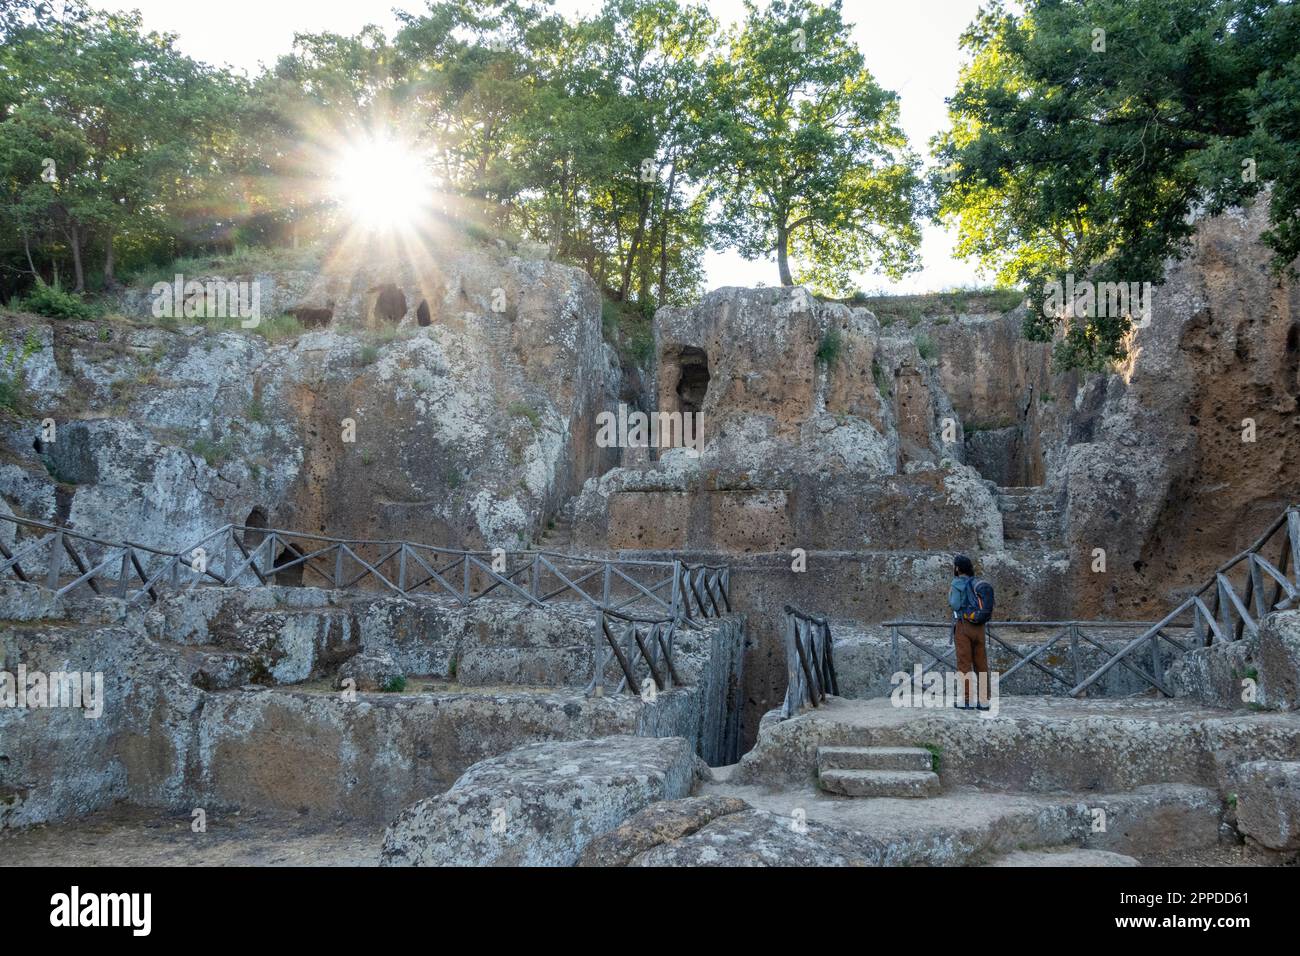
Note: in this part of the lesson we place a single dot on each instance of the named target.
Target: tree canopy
(1088, 135)
(630, 140)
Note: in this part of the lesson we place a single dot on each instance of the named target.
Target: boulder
(1279, 660)
(657, 824)
(762, 838)
(1268, 803)
(540, 805)
(368, 671)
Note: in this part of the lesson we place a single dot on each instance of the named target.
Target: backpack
(978, 606)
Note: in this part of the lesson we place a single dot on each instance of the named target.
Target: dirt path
(134, 837)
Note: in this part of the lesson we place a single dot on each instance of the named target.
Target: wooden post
(1074, 652)
(604, 593)
(56, 558)
(401, 569)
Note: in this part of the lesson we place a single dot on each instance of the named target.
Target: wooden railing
(809, 661)
(64, 560)
(643, 649)
(1238, 601)
(1072, 637)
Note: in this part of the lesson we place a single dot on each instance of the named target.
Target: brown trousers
(969, 641)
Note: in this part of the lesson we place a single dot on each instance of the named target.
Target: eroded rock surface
(540, 805)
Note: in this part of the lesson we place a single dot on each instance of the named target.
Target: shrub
(13, 373)
(926, 348)
(369, 355)
(394, 685)
(881, 379)
(524, 410)
(53, 302)
(828, 350)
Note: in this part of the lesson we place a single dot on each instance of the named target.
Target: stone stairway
(558, 534)
(1031, 517)
(877, 771)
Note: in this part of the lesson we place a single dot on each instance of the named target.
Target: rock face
(1160, 463)
(1279, 660)
(539, 805)
(1268, 803)
(231, 699)
(466, 432)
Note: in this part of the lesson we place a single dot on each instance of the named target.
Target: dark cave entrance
(253, 535)
(692, 373)
(422, 315)
(389, 305)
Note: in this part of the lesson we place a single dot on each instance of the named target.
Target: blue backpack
(977, 607)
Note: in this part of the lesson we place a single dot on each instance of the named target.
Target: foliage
(830, 346)
(926, 348)
(52, 301)
(1074, 151)
(12, 371)
(810, 158)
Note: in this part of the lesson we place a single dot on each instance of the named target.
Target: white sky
(910, 47)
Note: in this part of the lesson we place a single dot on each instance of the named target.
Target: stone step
(874, 758)
(880, 783)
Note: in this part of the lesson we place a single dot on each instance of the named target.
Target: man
(968, 638)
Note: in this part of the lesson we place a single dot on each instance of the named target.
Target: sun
(382, 184)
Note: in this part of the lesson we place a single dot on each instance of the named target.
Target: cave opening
(390, 303)
(256, 520)
(289, 577)
(692, 379)
(422, 316)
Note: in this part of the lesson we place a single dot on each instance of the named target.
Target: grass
(926, 348)
(244, 260)
(254, 411)
(524, 410)
(881, 379)
(369, 354)
(939, 306)
(278, 328)
(830, 347)
(13, 373)
(936, 754)
(212, 452)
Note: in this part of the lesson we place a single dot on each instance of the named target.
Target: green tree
(126, 119)
(1087, 133)
(810, 161)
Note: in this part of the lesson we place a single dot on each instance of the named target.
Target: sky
(910, 47)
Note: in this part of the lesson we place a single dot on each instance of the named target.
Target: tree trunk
(783, 255)
(626, 285)
(110, 279)
(74, 243)
(663, 236)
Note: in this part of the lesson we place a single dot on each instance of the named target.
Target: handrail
(242, 556)
(809, 660)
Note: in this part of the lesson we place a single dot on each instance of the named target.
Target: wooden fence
(809, 661)
(64, 560)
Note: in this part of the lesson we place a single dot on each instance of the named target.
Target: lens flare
(382, 184)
